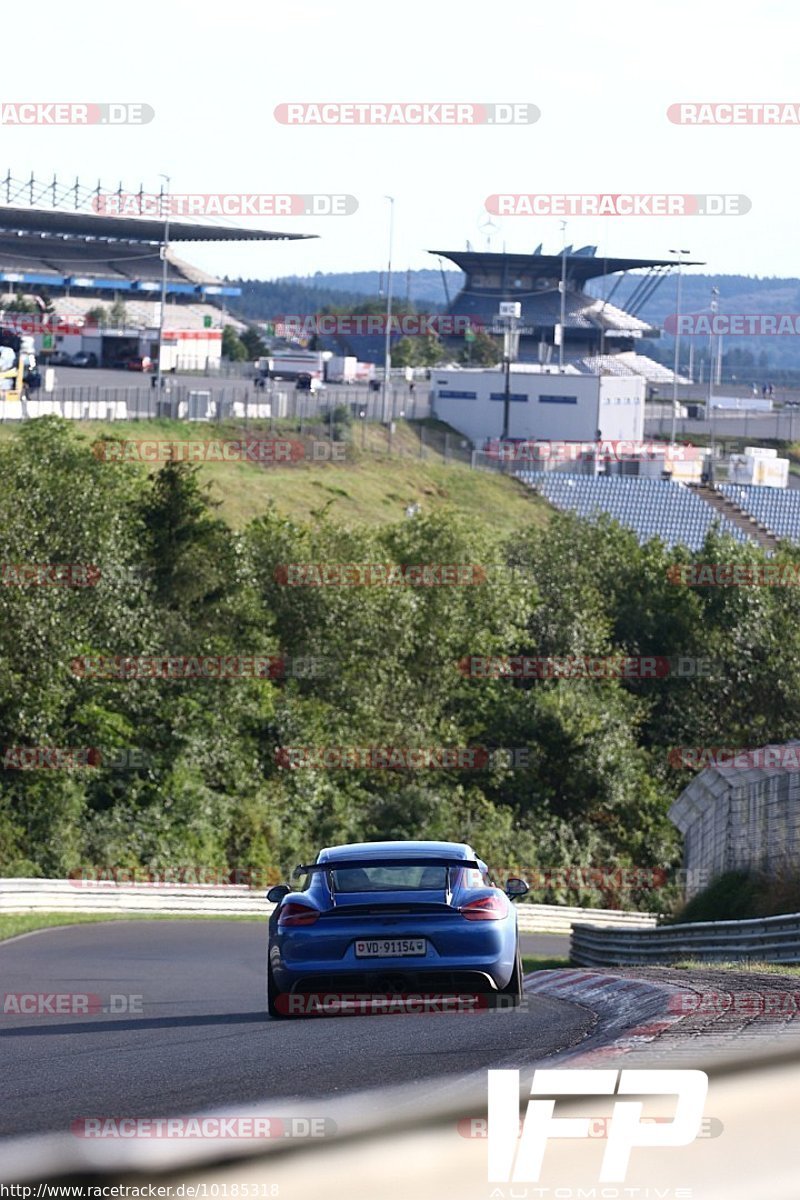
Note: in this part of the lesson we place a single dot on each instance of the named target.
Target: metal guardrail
(769, 939)
(107, 896)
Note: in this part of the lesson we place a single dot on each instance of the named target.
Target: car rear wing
(418, 860)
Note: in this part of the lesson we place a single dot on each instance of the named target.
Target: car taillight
(297, 914)
(488, 908)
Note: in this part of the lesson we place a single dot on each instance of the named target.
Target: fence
(742, 818)
(770, 939)
(114, 402)
(782, 425)
(90, 896)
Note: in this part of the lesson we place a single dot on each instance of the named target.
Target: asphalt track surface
(202, 1040)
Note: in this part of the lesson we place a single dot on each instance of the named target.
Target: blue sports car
(393, 918)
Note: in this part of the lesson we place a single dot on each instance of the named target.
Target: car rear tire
(272, 994)
(511, 995)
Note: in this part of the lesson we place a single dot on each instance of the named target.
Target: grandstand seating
(650, 507)
(616, 318)
(777, 508)
(144, 313)
(628, 362)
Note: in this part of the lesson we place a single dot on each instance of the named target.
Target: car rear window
(389, 879)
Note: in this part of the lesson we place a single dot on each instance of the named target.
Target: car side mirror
(516, 887)
(276, 894)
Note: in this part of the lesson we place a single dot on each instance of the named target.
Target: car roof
(397, 850)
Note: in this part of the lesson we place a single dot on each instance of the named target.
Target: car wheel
(511, 995)
(272, 994)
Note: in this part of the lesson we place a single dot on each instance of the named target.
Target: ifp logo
(516, 1156)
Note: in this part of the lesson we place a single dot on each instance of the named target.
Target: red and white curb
(631, 1012)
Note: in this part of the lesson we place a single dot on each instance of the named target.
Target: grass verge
(540, 962)
(744, 966)
(12, 924)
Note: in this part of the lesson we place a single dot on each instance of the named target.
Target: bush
(739, 895)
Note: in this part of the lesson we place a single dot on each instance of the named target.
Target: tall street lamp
(563, 297)
(165, 244)
(387, 345)
(713, 306)
(510, 312)
(676, 361)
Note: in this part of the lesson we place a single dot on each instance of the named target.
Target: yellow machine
(17, 365)
(17, 373)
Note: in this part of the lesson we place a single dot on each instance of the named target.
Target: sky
(602, 76)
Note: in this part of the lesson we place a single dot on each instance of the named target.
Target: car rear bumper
(387, 980)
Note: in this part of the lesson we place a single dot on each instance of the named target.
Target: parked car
(393, 917)
(58, 358)
(84, 359)
(140, 362)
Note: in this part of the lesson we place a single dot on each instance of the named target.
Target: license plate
(392, 948)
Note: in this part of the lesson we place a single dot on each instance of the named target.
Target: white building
(546, 405)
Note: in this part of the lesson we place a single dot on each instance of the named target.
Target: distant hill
(418, 286)
(262, 299)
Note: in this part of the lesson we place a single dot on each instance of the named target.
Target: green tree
(254, 346)
(482, 351)
(232, 346)
(118, 314)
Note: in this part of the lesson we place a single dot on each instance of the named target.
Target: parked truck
(290, 365)
(341, 368)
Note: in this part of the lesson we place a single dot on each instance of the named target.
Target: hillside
(371, 487)
(738, 294)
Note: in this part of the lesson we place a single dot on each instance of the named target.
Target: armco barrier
(770, 939)
(75, 895)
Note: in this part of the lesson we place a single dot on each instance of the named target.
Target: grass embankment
(374, 484)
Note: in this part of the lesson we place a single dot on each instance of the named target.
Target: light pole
(563, 297)
(677, 359)
(713, 306)
(387, 345)
(510, 311)
(163, 284)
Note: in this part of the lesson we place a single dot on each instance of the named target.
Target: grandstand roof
(580, 267)
(130, 229)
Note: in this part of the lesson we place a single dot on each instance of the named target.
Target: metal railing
(107, 896)
(768, 939)
(131, 403)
